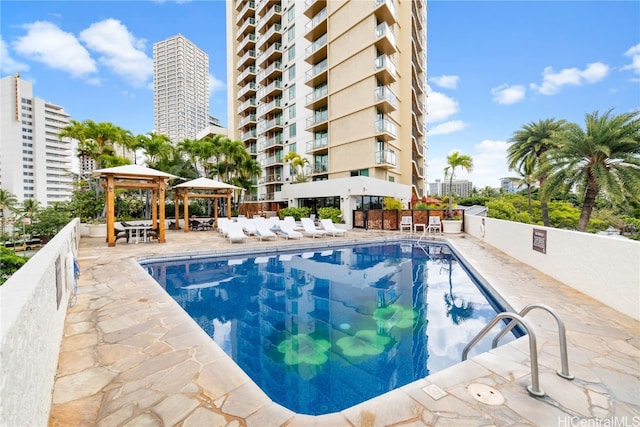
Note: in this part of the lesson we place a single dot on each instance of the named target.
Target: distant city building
(181, 88)
(342, 84)
(34, 162)
(510, 184)
(461, 188)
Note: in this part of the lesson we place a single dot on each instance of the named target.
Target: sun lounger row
(271, 228)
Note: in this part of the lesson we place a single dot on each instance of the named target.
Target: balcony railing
(249, 71)
(316, 45)
(384, 62)
(266, 108)
(383, 93)
(320, 168)
(317, 118)
(317, 144)
(246, 104)
(317, 69)
(317, 94)
(386, 157)
(386, 126)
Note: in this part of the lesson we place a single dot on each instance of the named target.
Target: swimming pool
(320, 330)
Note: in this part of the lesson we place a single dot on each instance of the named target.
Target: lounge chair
(235, 233)
(223, 225)
(121, 234)
(249, 225)
(291, 223)
(310, 228)
(285, 229)
(331, 228)
(263, 232)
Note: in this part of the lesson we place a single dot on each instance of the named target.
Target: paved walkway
(131, 357)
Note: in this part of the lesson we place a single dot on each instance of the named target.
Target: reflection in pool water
(322, 331)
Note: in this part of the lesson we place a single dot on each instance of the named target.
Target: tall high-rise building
(342, 84)
(181, 88)
(34, 162)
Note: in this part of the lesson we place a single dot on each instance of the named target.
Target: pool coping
(219, 389)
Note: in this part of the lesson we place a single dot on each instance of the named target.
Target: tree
(8, 202)
(298, 163)
(157, 147)
(455, 160)
(528, 146)
(602, 158)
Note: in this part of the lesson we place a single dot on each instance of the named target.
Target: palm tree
(528, 146)
(455, 160)
(602, 158)
(7, 202)
(30, 207)
(156, 147)
(298, 162)
(525, 170)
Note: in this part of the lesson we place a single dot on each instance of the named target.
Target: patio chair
(263, 231)
(310, 228)
(330, 228)
(121, 234)
(291, 223)
(285, 229)
(223, 225)
(435, 225)
(406, 223)
(235, 233)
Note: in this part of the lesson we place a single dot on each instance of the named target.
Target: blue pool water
(323, 330)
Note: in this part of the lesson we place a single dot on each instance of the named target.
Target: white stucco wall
(605, 268)
(31, 326)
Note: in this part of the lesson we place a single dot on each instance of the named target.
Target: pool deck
(130, 355)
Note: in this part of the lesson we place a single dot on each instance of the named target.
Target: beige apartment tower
(341, 83)
(180, 88)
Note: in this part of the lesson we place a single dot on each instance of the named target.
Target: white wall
(605, 268)
(31, 330)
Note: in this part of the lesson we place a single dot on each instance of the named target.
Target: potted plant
(452, 222)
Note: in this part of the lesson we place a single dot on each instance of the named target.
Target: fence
(377, 219)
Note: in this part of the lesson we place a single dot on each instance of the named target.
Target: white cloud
(634, 54)
(507, 95)
(215, 84)
(490, 163)
(552, 82)
(8, 65)
(447, 82)
(46, 43)
(440, 106)
(447, 128)
(120, 50)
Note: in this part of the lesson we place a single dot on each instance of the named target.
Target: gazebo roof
(133, 171)
(206, 184)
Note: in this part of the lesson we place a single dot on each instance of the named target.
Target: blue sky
(492, 66)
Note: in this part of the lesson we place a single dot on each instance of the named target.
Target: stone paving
(130, 356)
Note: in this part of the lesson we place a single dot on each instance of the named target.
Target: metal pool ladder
(533, 389)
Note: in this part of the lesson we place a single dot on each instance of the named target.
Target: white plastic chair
(235, 233)
(406, 222)
(310, 228)
(331, 228)
(435, 225)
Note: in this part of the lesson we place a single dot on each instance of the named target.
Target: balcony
(317, 98)
(272, 89)
(271, 54)
(385, 100)
(271, 142)
(317, 144)
(248, 42)
(312, 7)
(249, 6)
(273, 70)
(247, 120)
(271, 35)
(385, 70)
(272, 160)
(385, 39)
(247, 90)
(317, 26)
(317, 50)
(317, 121)
(251, 134)
(386, 129)
(385, 10)
(272, 107)
(248, 105)
(272, 16)
(271, 179)
(386, 158)
(272, 125)
(248, 73)
(247, 59)
(248, 26)
(317, 74)
(320, 168)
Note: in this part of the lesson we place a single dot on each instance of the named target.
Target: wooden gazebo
(202, 188)
(140, 177)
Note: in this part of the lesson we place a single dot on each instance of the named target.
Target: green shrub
(391, 204)
(296, 213)
(421, 206)
(334, 214)
(10, 263)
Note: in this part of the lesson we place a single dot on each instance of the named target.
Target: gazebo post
(154, 207)
(229, 204)
(185, 202)
(110, 208)
(176, 204)
(161, 226)
(215, 212)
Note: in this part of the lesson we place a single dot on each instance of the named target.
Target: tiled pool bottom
(130, 356)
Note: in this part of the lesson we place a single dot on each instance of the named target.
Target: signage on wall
(540, 240)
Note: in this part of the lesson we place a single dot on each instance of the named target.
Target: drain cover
(485, 394)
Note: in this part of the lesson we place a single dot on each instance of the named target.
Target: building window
(291, 53)
(360, 172)
(291, 33)
(292, 130)
(292, 91)
(292, 111)
(292, 72)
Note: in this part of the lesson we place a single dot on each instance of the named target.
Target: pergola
(203, 188)
(140, 177)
